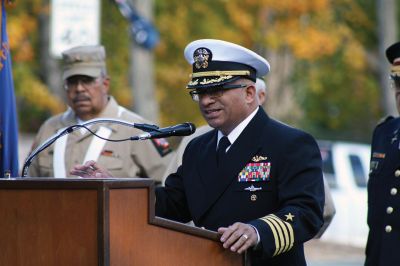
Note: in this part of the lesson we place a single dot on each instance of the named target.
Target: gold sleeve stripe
(274, 233)
(285, 235)
(282, 231)
(282, 239)
(220, 73)
(288, 231)
(291, 233)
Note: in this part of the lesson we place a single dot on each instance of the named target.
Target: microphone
(184, 129)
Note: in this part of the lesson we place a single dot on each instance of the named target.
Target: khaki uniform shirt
(142, 158)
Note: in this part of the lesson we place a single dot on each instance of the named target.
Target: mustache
(81, 98)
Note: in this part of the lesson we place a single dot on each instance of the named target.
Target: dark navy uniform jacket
(383, 246)
(271, 178)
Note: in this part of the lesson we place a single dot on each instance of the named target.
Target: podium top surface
(83, 183)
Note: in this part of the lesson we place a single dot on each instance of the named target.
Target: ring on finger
(245, 236)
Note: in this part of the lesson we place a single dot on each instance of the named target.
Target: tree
(34, 100)
(323, 56)
(316, 57)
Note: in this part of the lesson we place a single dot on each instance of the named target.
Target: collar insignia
(395, 136)
(201, 57)
(258, 158)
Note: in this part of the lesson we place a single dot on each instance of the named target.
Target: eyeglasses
(73, 82)
(214, 92)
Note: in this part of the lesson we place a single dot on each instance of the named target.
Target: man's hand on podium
(90, 169)
(238, 237)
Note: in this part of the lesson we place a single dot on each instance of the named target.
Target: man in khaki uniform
(87, 87)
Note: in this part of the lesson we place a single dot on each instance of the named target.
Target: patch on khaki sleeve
(282, 232)
(162, 146)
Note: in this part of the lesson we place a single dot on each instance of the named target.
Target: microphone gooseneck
(67, 130)
(153, 132)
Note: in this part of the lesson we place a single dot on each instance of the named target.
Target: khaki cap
(84, 60)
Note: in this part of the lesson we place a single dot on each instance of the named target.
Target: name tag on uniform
(378, 155)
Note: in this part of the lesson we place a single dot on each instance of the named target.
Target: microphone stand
(72, 128)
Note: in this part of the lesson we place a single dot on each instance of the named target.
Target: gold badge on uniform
(258, 158)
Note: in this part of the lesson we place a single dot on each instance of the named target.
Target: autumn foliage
(318, 51)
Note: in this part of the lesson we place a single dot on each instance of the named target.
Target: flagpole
(144, 38)
(142, 72)
(8, 113)
(1, 20)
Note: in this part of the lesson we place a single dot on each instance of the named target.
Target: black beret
(393, 52)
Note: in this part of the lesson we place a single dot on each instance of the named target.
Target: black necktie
(223, 144)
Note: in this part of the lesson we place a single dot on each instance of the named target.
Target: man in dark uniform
(256, 181)
(384, 181)
(264, 189)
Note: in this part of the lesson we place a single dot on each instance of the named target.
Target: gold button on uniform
(397, 173)
(393, 191)
(388, 228)
(389, 210)
(253, 197)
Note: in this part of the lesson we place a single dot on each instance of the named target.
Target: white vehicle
(346, 168)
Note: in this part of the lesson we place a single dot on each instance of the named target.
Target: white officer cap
(217, 62)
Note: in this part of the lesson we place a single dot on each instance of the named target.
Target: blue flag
(143, 31)
(8, 114)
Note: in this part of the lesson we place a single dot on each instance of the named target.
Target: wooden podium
(97, 222)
